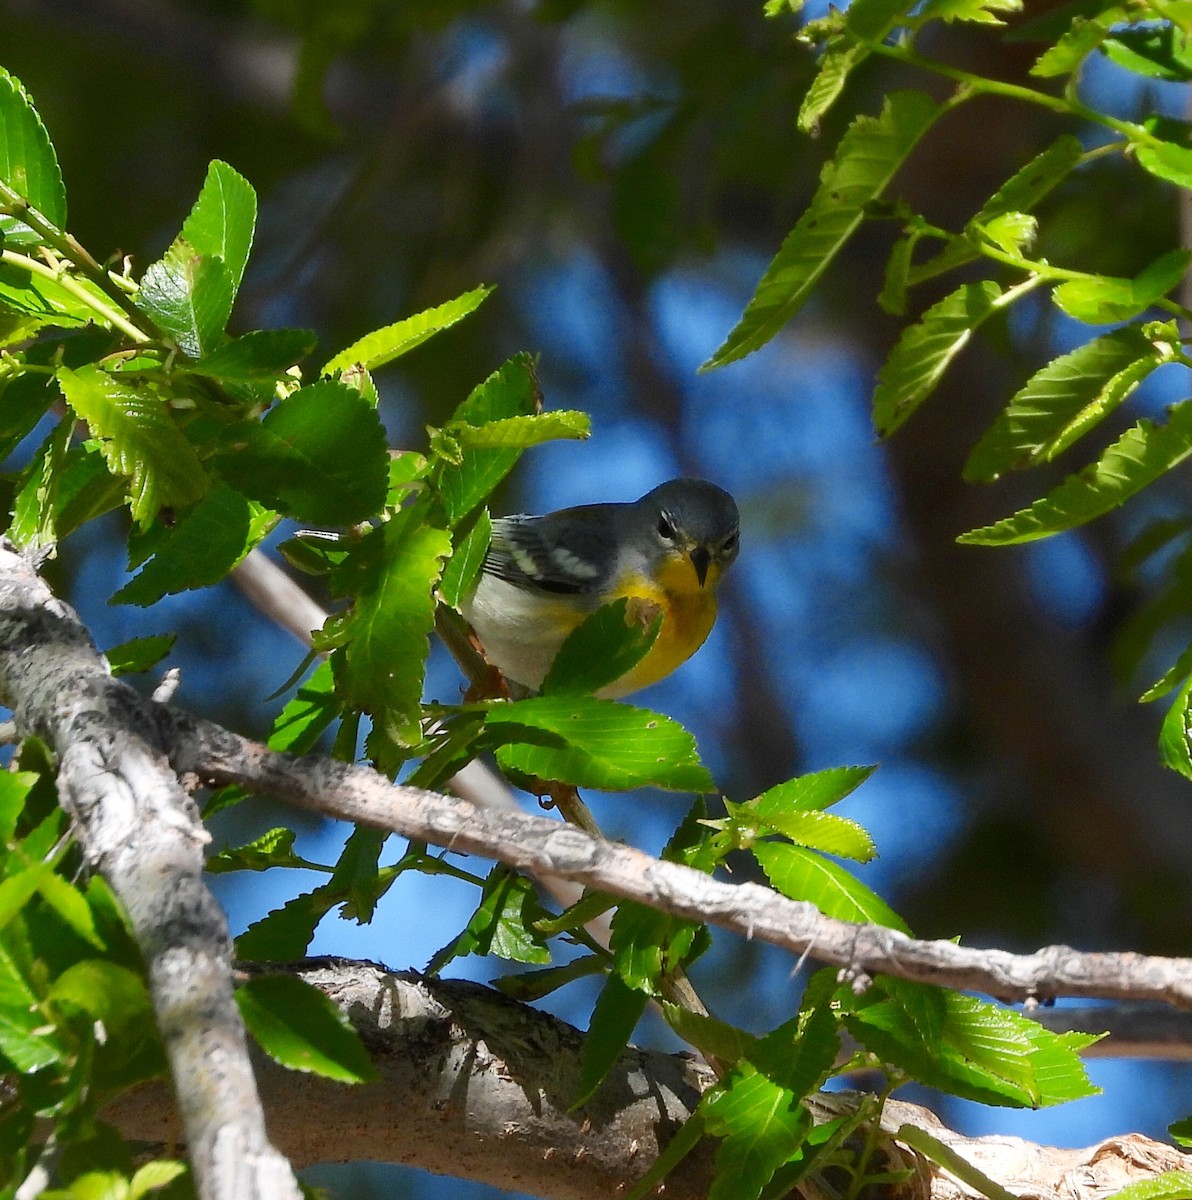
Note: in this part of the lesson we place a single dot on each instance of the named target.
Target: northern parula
(543, 575)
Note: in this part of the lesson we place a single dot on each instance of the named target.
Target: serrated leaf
(502, 924)
(200, 550)
(1168, 1185)
(647, 944)
(1156, 51)
(467, 558)
(315, 705)
(188, 296)
(804, 875)
(874, 19)
(17, 890)
(604, 647)
(1082, 37)
(301, 1028)
(274, 848)
(529, 986)
(261, 354)
(384, 345)
(615, 1015)
(924, 351)
(1063, 400)
(980, 12)
(596, 743)
(1175, 735)
(382, 669)
(813, 792)
(827, 833)
(284, 933)
(1140, 456)
(35, 506)
(223, 219)
(868, 156)
(762, 1125)
(711, 1037)
(319, 455)
(24, 1039)
(28, 164)
(1166, 160)
(139, 654)
(841, 55)
(139, 439)
(509, 392)
(1010, 231)
(106, 992)
(1102, 300)
(520, 433)
(944, 1156)
(15, 787)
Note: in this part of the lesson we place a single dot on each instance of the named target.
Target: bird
(543, 575)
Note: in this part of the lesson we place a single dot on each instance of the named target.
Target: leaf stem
(63, 278)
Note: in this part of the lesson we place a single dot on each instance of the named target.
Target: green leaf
(647, 944)
(284, 933)
(154, 1176)
(1101, 300)
(804, 875)
(521, 433)
(1166, 160)
(980, 1052)
(222, 221)
(944, 1156)
(827, 833)
(390, 623)
(301, 1028)
(925, 350)
(467, 558)
(509, 392)
(762, 1125)
(384, 345)
(1175, 735)
(605, 646)
(1168, 1185)
(319, 456)
(810, 793)
(1156, 51)
(189, 297)
(139, 440)
(502, 925)
(315, 705)
(711, 1037)
(981, 12)
(200, 550)
(17, 890)
(1033, 182)
(25, 1040)
(1069, 52)
(107, 992)
(28, 164)
(615, 1016)
(139, 654)
(259, 355)
(15, 787)
(1141, 455)
(529, 986)
(1064, 399)
(36, 504)
(840, 56)
(1180, 1132)
(71, 905)
(596, 743)
(275, 848)
(868, 156)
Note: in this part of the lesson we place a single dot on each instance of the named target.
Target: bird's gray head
(694, 520)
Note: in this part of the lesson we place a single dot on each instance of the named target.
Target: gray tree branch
(138, 827)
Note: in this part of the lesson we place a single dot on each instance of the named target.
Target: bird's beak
(700, 558)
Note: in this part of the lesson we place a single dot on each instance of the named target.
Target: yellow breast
(688, 614)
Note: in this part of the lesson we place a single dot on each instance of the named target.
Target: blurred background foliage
(623, 172)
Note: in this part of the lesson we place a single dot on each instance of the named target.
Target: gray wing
(570, 552)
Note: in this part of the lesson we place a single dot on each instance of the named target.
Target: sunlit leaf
(138, 437)
(223, 219)
(1064, 399)
(301, 1028)
(1101, 300)
(522, 432)
(1140, 456)
(189, 296)
(319, 456)
(139, 654)
(868, 156)
(596, 743)
(261, 354)
(384, 345)
(467, 558)
(28, 164)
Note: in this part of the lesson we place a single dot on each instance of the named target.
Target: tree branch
(542, 846)
(478, 1086)
(138, 827)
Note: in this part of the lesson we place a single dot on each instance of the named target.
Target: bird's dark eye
(730, 543)
(666, 528)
